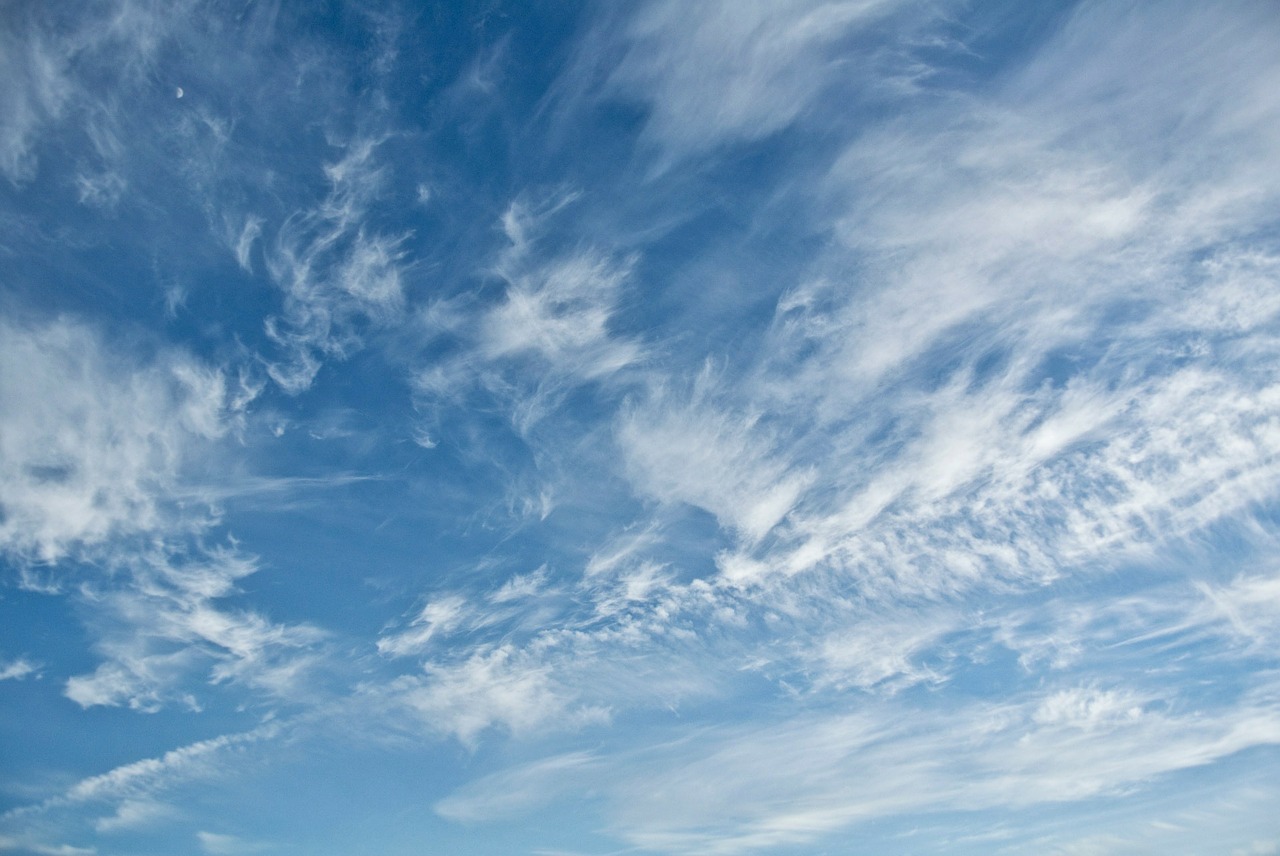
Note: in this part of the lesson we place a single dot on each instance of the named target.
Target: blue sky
(816, 427)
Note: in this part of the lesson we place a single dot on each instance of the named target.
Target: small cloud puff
(16, 670)
(1088, 708)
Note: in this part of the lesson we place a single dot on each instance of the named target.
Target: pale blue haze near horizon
(811, 427)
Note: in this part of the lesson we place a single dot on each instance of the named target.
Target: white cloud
(723, 72)
(146, 776)
(249, 234)
(498, 687)
(54, 64)
(335, 270)
(16, 670)
(134, 789)
(552, 331)
(1087, 708)
(1039, 343)
(620, 551)
(438, 617)
(879, 651)
(696, 451)
(1035, 372)
(1227, 624)
(100, 191)
(1104, 393)
(95, 445)
(222, 844)
(557, 307)
(133, 814)
(515, 792)
(1259, 848)
(7, 843)
(560, 313)
(133, 677)
(1035, 368)
(757, 788)
(38, 90)
(107, 458)
(1249, 605)
(521, 587)
(156, 633)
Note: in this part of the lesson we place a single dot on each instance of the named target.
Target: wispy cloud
(68, 74)
(135, 790)
(105, 458)
(496, 687)
(559, 309)
(792, 782)
(880, 429)
(96, 444)
(994, 245)
(222, 844)
(553, 330)
(726, 72)
(517, 791)
(39, 89)
(334, 269)
(694, 451)
(1037, 371)
(7, 843)
(156, 633)
(436, 619)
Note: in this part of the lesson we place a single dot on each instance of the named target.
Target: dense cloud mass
(830, 426)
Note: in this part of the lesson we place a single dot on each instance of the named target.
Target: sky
(732, 427)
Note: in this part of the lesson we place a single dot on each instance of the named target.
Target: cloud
(880, 651)
(37, 94)
(16, 670)
(438, 617)
(166, 625)
(1087, 708)
(794, 782)
(340, 275)
(1036, 363)
(553, 332)
(72, 67)
(516, 792)
(1261, 848)
(107, 458)
(336, 272)
(875, 558)
(148, 776)
(96, 445)
(1022, 358)
(221, 844)
(726, 462)
(1004, 383)
(7, 843)
(134, 789)
(728, 72)
(133, 814)
(495, 687)
(558, 310)
(100, 191)
(1247, 605)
